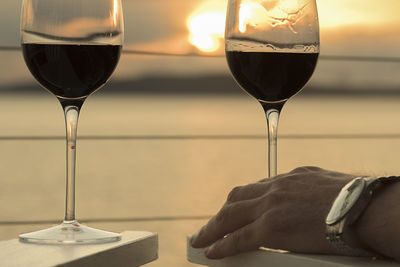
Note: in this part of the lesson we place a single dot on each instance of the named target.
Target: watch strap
(345, 246)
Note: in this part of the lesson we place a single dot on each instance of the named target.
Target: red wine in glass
(71, 71)
(271, 76)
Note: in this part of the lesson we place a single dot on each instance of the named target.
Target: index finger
(230, 218)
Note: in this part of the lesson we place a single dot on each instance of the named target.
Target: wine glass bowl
(71, 47)
(272, 48)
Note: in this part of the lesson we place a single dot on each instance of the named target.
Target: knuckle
(235, 243)
(299, 170)
(234, 194)
(306, 169)
(275, 197)
(313, 168)
(222, 216)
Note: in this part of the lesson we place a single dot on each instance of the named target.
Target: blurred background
(166, 139)
(363, 36)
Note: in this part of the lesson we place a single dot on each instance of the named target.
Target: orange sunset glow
(207, 22)
(207, 25)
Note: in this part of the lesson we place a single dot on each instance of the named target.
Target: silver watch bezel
(346, 199)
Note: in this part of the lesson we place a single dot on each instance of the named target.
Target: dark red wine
(71, 71)
(271, 76)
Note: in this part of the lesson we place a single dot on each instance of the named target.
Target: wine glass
(71, 47)
(272, 48)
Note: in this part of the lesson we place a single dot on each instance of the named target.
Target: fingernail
(192, 239)
(208, 251)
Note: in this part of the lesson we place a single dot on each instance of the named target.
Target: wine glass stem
(71, 122)
(272, 121)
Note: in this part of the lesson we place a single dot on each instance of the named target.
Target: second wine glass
(71, 47)
(272, 48)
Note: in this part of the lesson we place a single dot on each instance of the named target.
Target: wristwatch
(351, 202)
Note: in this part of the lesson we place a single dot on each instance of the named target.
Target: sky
(154, 21)
(346, 21)
(347, 27)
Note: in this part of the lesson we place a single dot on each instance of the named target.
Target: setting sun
(206, 26)
(252, 14)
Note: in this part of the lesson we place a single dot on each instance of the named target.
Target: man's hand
(284, 212)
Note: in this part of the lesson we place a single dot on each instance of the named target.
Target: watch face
(346, 200)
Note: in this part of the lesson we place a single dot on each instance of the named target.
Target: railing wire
(162, 53)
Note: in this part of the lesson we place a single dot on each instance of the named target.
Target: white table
(134, 249)
(263, 258)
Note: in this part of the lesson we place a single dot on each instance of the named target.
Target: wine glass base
(69, 233)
